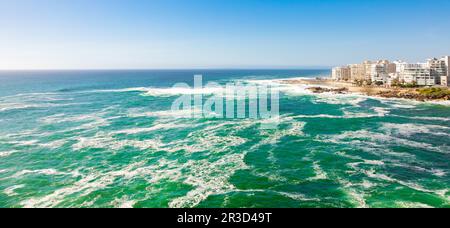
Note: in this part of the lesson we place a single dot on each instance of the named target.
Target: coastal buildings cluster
(433, 72)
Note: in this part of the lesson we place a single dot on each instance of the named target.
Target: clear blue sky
(92, 34)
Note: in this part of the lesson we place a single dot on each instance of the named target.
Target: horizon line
(193, 68)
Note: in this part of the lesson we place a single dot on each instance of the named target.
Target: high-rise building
(391, 68)
(341, 73)
(368, 70)
(438, 68)
(357, 72)
(445, 79)
(346, 73)
(335, 73)
(419, 73)
(380, 71)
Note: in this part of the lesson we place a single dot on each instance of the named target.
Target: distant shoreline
(322, 85)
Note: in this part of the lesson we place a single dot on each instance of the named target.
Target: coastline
(131, 128)
(327, 85)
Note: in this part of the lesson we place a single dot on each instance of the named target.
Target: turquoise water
(109, 139)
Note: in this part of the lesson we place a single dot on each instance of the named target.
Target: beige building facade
(357, 72)
(341, 73)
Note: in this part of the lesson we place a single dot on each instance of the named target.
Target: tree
(395, 83)
(379, 83)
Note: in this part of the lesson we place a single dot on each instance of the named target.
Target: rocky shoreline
(418, 94)
(440, 94)
(328, 90)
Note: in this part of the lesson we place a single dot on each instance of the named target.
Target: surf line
(232, 101)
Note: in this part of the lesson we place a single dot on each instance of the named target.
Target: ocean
(110, 139)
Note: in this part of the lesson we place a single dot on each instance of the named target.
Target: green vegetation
(435, 93)
(409, 85)
(396, 83)
(358, 82)
(378, 83)
(362, 82)
(402, 84)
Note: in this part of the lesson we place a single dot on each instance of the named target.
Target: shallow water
(109, 139)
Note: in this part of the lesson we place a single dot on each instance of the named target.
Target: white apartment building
(438, 68)
(336, 73)
(379, 71)
(442, 70)
(433, 72)
(418, 73)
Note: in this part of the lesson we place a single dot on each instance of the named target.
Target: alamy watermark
(231, 101)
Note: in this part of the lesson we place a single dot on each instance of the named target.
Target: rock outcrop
(328, 90)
